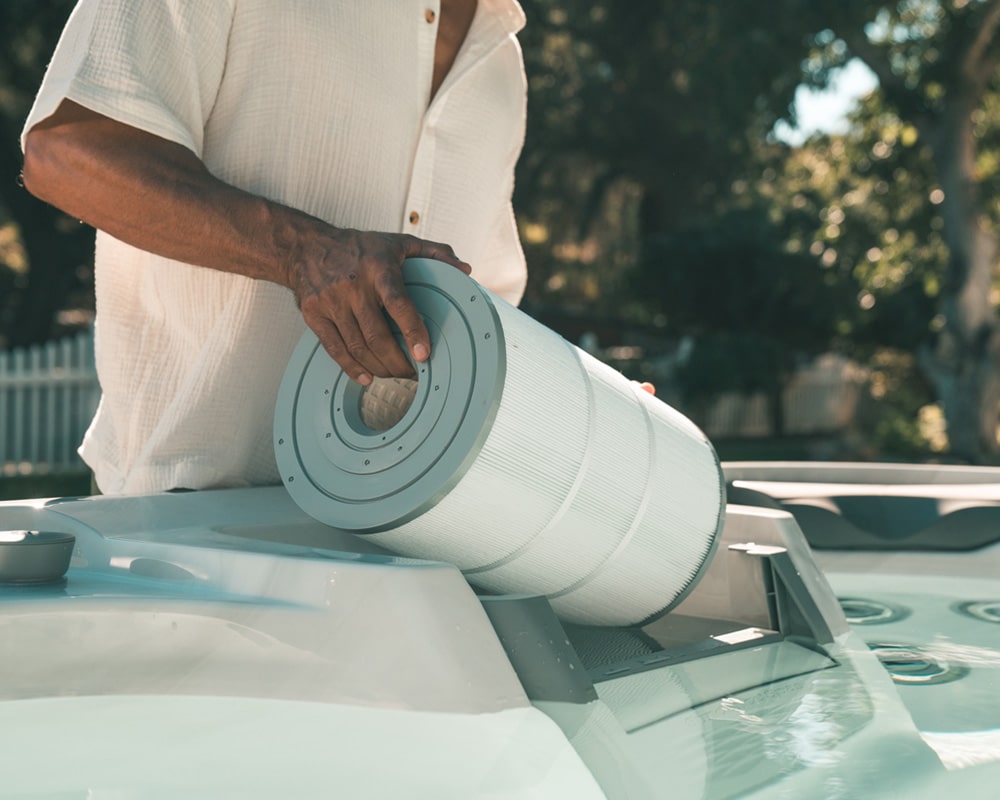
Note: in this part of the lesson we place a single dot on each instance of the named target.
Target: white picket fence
(48, 394)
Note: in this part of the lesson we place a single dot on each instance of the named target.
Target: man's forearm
(158, 196)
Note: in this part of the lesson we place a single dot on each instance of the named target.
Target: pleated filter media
(521, 459)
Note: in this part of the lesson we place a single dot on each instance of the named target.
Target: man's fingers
(354, 331)
(421, 248)
(382, 344)
(329, 336)
(400, 308)
(360, 352)
(344, 294)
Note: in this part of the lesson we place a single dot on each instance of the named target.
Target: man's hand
(158, 196)
(348, 284)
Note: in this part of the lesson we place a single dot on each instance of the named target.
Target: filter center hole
(385, 401)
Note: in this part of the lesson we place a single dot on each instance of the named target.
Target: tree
(639, 123)
(672, 97)
(938, 65)
(48, 254)
(869, 203)
(744, 291)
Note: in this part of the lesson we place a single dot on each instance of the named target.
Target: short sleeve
(153, 64)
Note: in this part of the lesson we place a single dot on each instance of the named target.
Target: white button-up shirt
(323, 106)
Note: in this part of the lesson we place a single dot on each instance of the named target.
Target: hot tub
(913, 554)
(224, 643)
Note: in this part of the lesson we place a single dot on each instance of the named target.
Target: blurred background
(785, 215)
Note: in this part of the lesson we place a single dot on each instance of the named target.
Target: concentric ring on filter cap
(517, 457)
(366, 459)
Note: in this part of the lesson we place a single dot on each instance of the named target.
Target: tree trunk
(963, 363)
(965, 380)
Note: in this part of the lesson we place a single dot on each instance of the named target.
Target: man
(240, 159)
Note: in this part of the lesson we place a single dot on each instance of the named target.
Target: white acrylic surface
(179, 747)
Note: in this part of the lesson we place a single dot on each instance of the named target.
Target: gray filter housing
(521, 459)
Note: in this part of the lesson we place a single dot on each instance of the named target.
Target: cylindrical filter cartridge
(524, 461)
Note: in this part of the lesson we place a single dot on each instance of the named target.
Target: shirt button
(430, 16)
(414, 218)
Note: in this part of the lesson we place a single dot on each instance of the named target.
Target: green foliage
(754, 304)
(986, 130)
(44, 256)
(675, 100)
(870, 196)
(893, 423)
(737, 273)
(662, 92)
(639, 123)
(727, 362)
